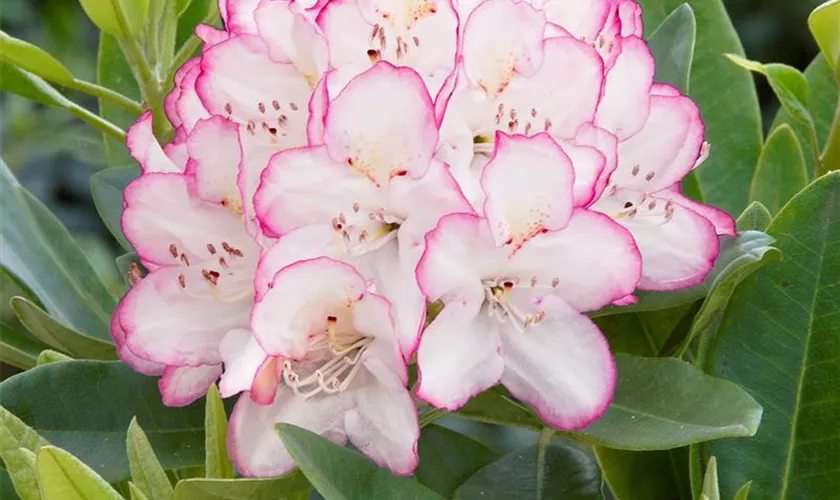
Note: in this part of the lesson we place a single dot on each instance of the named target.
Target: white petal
(242, 357)
(183, 385)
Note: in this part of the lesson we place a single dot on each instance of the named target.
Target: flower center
(360, 232)
(499, 297)
(333, 360)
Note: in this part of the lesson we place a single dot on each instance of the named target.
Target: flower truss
(338, 165)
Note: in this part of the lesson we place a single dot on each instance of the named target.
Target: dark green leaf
(135, 492)
(216, 464)
(497, 406)
(448, 458)
(789, 85)
(107, 188)
(755, 218)
(729, 105)
(198, 11)
(744, 492)
(17, 438)
(781, 171)
(59, 336)
(104, 15)
(645, 475)
(555, 471)
(672, 45)
(823, 23)
(17, 81)
(40, 251)
(85, 407)
(146, 471)
(64, 477)
(654, 12)
(114, 73)
(779, 339)
(33, 59)
(340, 473)
(8, 488)
(734, 253)
(293, 486)
(17, 349)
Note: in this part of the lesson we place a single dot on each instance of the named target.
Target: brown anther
(527, 128)
(373, 56)
(628, 204)
(210, 275)
(228, 108)
(134, 273)
(512, 125)
(416, 41)
(236, 252)
(293, 106)
(185, 259)
(281, 119)
(632, 213)
(635, 170)
(222, 262)
(507, 285)
(533, 113)
(226, 246)
(649, 176)
(276, 105)
(555, 282)
(652, 205)
(261, 106)
(547, 125)
(211, 248)
(173, 250)
(182, 281)
(337, 225)
(272, 130)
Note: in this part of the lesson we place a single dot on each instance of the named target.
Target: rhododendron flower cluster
(339, 165)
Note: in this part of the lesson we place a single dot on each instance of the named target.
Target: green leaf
(16, 439)
(781, 171)
(822, 99)
(217, 464)
(729, 105)
(672, 45)
(744, 492)
(146, 471)
(85, 407)
(17, 81)
(40, 251)
(33, 59)
(340, 473)
(291, 486)
(710, 482)
(734, 253)
(58, 336)
(17, 349)
(135, 492)
(113, 72)
(778, 339)
(49, 356)
(105, 15)
(448, 458)
(823, 22)
(8, 488)
(65, 477)
(107, 188)
(787, 82)
(654, 13)
(645, 475)
(755, 218)
(552, 471)
(181, 6)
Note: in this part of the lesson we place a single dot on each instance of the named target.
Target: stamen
(134, 274)
(173, 250)
(210, 275)
(211, 248)
(182, 281)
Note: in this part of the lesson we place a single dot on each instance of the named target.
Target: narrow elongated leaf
(744, 492)
(672, 45)
(823, 22)
(293, 486)
(17, 349)
(65, 477)
(711, 491)
(146, 471)
(17, 438)
(778, 339)
(645, 475)
(755, 218)
(822, 99)
(33, 59)
(107, 188)
(216, 464)
(734, 253)
(104, 15)
(555, 471)
(40, 251)
(448, 458)
(781, 171)
(23, 83)
(787, 82)
(340, 473)
(729, 105)
(58, 336)
(135, 492)
(61, 412)
(113, 72)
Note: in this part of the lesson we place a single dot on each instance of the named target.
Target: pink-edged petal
(166, 225)
(255, 448)
(723, 222)
(139, 364)
(501, 38)
(183, 385)
(582, 20)
(372, 317)
(537, 103)
(318, 104)
(307, 242)
(214, 150)
(301, 297)
(664, 89)
(239, 16)
(144, 147)
(242, 357)
(459, 354)
(183, 325)
(600, 262)
(173, 96)
(664, 150)
(561, 366)
(383, 424)
(383, 124)
(189, 107)
(630, 15)
(678, 246)
(606, 145)
(626, 100)
(292, 37)
(305, 186)
(529, 188)
(177, 149)
(210, 35)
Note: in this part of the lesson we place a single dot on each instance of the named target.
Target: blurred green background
(53, 154)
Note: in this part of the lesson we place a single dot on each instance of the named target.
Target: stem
(830, 159)
(431, 416)
(106, 94)
(96, 121)
(545, 438)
